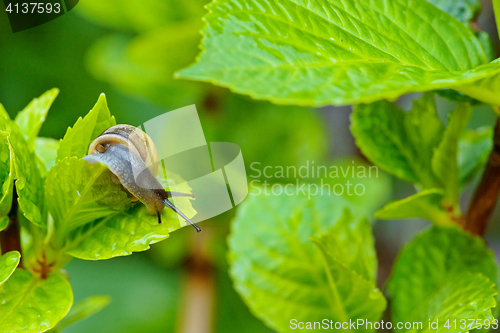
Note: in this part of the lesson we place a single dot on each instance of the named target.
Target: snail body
(131, 156)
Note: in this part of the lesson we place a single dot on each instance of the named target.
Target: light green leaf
(83, 309)
(463, 10)
(486, 90)
(29, 182)
(30, 119)
(78, 192)
(425, 204)
(133, 230)
(279, 272)
(46, 150)
(439, 275)
(6, 174)
(474, 148)
(8, 264)
(33, 305)
(77, 139)
(445, 158)
(335, 52)
(401, 143)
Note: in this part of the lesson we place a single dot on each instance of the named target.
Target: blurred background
(129, 50)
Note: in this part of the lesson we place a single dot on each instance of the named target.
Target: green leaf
(46, 150)
(29, 182)
(33, 305)
(425, 204)
(78, 192)
(6, 174)
(132, 230)
(77, 139)
(279, 272)
(445, 158)
(463, 10)
(30, 119)
(338, 52)
(8, 264)
(443, 273)
(401, 143)
(83, 309)
(474, 148)
(486, 89)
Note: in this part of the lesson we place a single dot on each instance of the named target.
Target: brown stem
(10, 237)
(485, 197)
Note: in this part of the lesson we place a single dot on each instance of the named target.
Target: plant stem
(10, 237)
(485, 197)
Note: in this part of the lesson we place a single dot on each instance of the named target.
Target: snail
(131, 156)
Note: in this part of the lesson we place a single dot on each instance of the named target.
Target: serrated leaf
(33, 305)
(77, 139)
(279, 272)
(29, 182)
(78, 192)
(133, 230)
(31, 118)
(445, 157)
(335, 52)
(474, 148)
(46, 150)
(83, 309)
(401, 143)
(6, 175)
(438, 274)
(8, 264)
(425, 204)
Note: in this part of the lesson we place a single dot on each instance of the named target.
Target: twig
(10, 237)
(485, 197)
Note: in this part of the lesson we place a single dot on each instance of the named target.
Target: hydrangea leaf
(6, 174)
(78, 138)
(335, 52)
(443, 273)
(400, 142)
(123, 232)
(8, 264)
(78, 193)
(463, 10)
(486, 89)
(29, 182)
(46, 150)
(445, 157)
(281, 274)
(31, 118)
(33, 305)
(474, 148)
(424, 204)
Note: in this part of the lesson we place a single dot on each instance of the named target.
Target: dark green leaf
(6, 174)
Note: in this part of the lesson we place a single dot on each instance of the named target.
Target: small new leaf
(77, 139)
(8, 264)
(31, 118)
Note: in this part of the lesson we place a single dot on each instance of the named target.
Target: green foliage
(30, 119)
(443, 273)
(281, 274)
(341, 53)
(83, 309)
(416, 146)
(8, 264)
(6, 174)
(463, 10)
(31, 304)
(77, 139)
